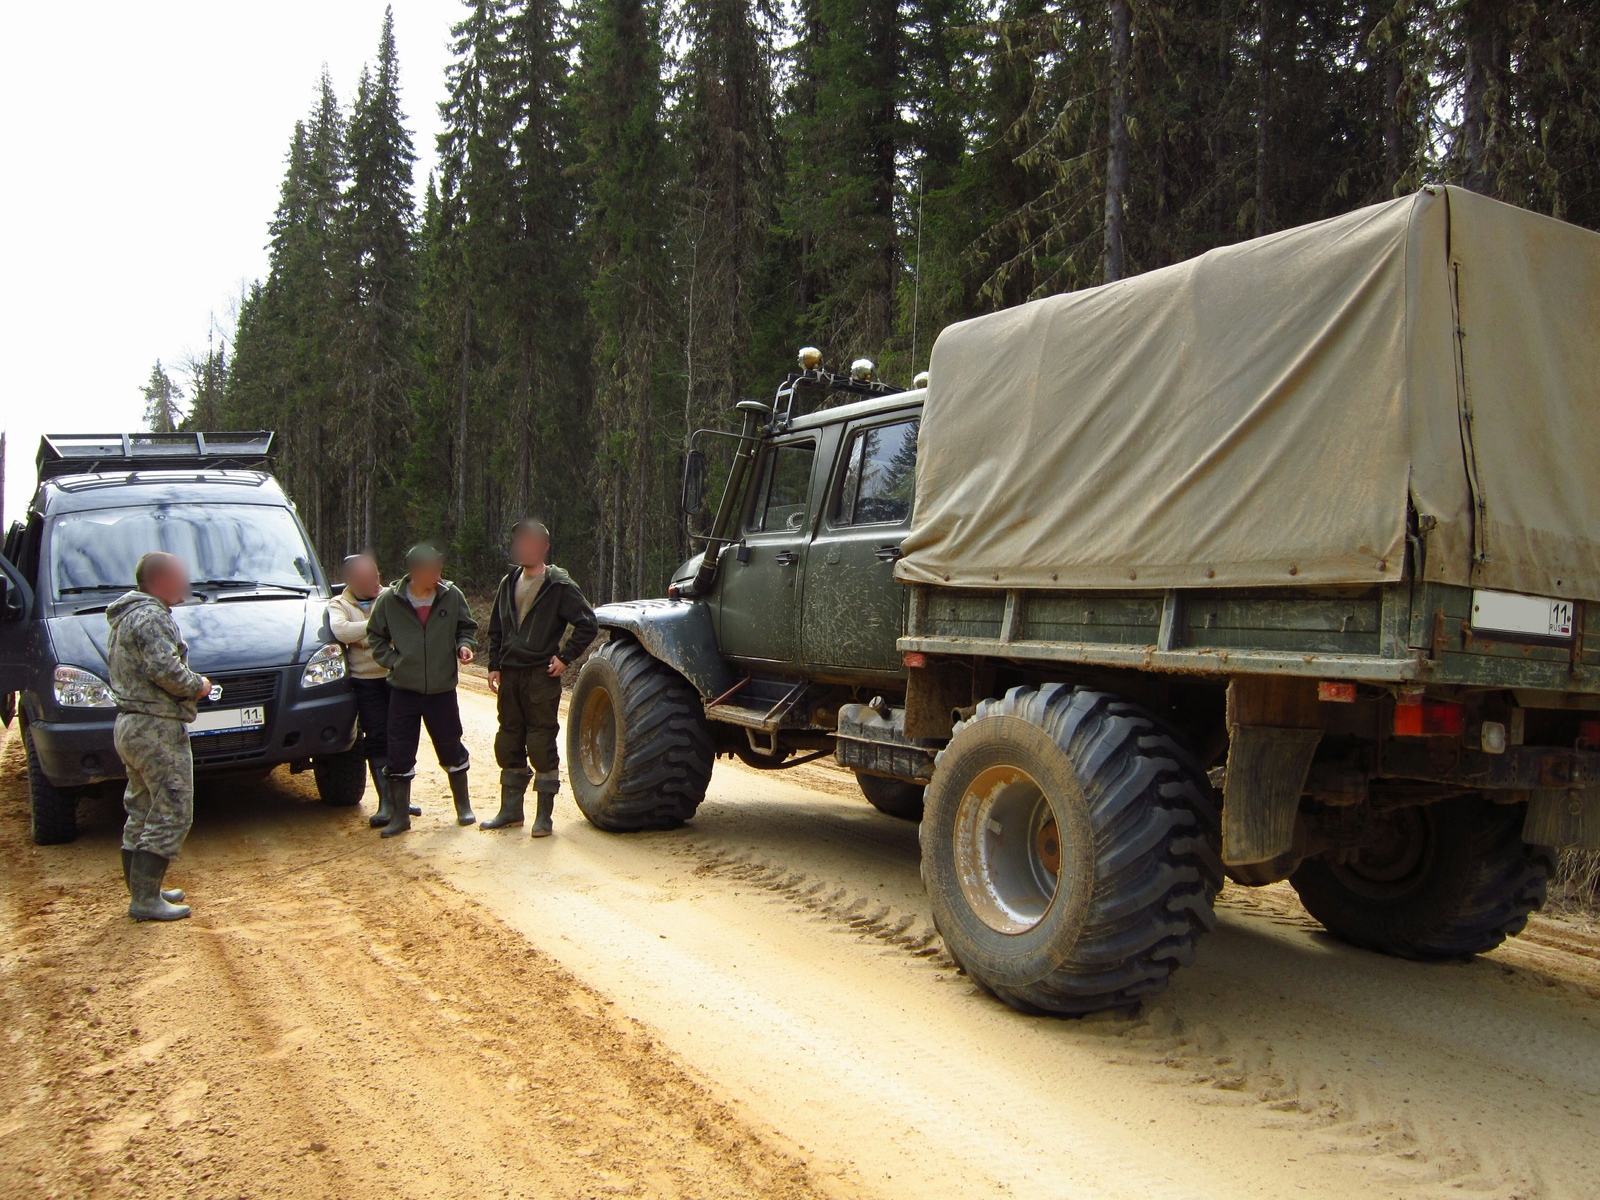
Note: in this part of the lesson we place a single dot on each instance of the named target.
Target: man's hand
(556, 666)
(494, 681)
(205, 688)
(465, 654)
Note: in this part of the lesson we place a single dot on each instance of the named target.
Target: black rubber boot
(541, 817)
(145, 872)
(399, 806)
(380, 784)
(513, 789)
(170, 895)
(458, 793)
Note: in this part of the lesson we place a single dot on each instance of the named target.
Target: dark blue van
(255, 624)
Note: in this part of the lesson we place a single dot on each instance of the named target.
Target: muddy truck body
(1281, 563)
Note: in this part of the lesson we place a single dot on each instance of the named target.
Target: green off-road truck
(1281, 563)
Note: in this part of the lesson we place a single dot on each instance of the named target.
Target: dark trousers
(408, 712)
(528, 703)
(372, 716)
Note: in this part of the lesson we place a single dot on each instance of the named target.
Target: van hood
(231, 635)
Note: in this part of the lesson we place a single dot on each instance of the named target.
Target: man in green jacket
(421, 629)
(529, 648)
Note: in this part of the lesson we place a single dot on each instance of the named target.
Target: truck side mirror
(694, 484)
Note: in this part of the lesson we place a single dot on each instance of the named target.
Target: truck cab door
(854, 610)
(760, 586)
(16, 613)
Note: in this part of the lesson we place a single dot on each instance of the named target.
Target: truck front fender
(679, 633)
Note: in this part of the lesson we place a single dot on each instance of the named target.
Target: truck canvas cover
(1263, 414)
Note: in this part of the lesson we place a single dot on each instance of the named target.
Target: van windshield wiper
(251, 583)
(95, 587)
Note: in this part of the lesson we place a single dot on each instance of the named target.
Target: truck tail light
(1336, 693)
(1416, 717)
(1589, 735)
(914, 658)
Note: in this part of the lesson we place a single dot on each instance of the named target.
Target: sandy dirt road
(752, 1006)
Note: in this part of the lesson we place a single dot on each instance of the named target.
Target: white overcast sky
(143, 145)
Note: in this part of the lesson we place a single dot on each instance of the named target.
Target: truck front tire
(893, 797)
(1448, 880)
(1069, 849)
(639, 749)
(341, 778)
(55, 809)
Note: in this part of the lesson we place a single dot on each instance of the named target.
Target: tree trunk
(1481, 93)
(461, 418)
(1263, 115)
(1116, 255)
(1393, 149)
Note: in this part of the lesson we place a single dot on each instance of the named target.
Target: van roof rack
(87, 453)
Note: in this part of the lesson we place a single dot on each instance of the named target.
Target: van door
(16, 611)
(759, 586)
(854, 610)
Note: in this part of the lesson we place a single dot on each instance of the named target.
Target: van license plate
(228, 720)
(1531, 616)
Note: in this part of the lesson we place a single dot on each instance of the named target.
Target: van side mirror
(12, 605)
(693, 500)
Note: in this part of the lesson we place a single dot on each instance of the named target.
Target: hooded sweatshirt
(149, 660)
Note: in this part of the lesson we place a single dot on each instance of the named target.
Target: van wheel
(55, 809)
(1070, 850)
(895, 797)
(639, 750)
(1448, 880)
(341, 778)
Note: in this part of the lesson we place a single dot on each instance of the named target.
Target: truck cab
(255, 623)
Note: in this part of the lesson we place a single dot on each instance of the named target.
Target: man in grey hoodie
(156, 695)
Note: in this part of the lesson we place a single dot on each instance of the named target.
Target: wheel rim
(597, 736)
(1394, 857)
(1008, 849)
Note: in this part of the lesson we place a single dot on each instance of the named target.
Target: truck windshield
(239, 545)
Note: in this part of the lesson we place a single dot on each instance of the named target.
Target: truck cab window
(880, 471)
(785, 481)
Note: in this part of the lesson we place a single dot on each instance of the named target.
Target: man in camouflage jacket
(156, 696)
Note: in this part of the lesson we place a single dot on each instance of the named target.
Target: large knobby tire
(1070, 850)
(341, 778)
(1448, 880)
(55, 809)
(639, 749)
(895, 797)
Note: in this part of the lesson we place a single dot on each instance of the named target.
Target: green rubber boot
(145, 872)
(458, 793)
(399, 807)
(513, 790)
(170, 895)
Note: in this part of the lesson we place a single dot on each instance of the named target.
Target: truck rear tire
(1070, 850)
(341, 778)
(893, 797)
(639, 750)
(55, 809)
(1448, 880)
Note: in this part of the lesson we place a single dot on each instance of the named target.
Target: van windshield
(239, 545)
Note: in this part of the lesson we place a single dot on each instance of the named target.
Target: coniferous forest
(642, 209)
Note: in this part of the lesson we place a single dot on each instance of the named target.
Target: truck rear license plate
(1530, 616)
(228, 720)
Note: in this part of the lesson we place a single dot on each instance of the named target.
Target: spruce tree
(162, 397)
(380, 252)
(624, 172)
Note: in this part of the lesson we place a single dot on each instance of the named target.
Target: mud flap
(1566, 818)
(1267, 768)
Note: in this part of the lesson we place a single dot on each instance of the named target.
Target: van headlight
(82, 689)
(325, 666)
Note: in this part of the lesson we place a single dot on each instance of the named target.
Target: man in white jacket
(347, 618)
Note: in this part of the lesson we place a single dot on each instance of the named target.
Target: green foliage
(162, 397)
(642, 209)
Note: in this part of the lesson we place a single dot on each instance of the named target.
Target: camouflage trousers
(160, 796)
